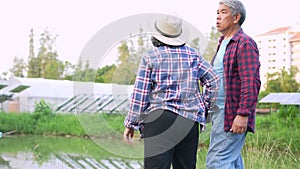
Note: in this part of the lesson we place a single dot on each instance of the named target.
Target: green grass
(263, 150)
(267, 153)
(26, 123)
(274, 145)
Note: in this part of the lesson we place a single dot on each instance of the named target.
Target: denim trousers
(225, 147)
(170, 139)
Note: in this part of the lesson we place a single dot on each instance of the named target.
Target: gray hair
(236, 7)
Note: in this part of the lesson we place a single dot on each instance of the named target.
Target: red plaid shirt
(241, 79)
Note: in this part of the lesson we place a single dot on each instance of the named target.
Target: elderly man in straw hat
(166, 102)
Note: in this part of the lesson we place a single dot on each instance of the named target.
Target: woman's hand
(128, 134)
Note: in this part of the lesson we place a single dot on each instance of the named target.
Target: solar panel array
(84, 103)
(282, 98)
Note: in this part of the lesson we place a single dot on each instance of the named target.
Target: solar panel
(19, 88)
(3, 84)
(282, 98)
(92, 104)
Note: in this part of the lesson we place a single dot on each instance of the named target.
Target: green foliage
(283, 81)
(129, 58)
(47, 122)
(282, 128)
(42, 111)
(54, 69)
(69, 69)
(33, 63)
(45, 64)
(274, 145)
(289, 112)
(27, 123)
(213, 40)
(105, 74)
(18, 122)
(115, 121)
(195, 43)
(60, 124)
(68, 124)
(19, 67)
(41, 121)
(4, 75)
(261, 151)
(84, 73)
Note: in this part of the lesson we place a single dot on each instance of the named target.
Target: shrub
(42, 111)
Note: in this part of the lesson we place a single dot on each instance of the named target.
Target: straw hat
(170, 30)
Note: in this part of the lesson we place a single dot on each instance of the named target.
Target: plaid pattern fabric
(169, 79)
(241, 79)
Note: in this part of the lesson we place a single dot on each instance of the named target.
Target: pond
(41, 152)
(49, 152)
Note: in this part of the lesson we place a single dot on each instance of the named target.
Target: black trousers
(169, 139)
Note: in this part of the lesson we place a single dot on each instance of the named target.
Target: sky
(76, 22)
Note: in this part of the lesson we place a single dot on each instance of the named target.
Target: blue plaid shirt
(170, 78)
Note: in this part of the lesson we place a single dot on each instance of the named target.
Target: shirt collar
(235, 36)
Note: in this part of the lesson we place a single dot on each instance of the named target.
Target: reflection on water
(65, 161)
(37, 152)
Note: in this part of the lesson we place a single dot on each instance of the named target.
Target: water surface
(41, 152)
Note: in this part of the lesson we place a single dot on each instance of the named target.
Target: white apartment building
(295, 49)
(279, 49)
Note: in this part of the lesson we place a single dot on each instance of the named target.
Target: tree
(213, 40)
(3, 76)
(130, 54)
(54, 69)
(84, 74)
(45, 64)
(125, 71)
(69, 70)
(19, 67)
(283, 81)
(105, 74)
(33, 64)
(50, 66)
(195, 43)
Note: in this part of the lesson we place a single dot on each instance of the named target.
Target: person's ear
(236, 18)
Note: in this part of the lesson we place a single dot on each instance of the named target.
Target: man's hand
(239, 125)
(128, 134)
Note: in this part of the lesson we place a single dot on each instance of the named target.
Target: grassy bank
(280, 130)
(274, 145)
(61, 124)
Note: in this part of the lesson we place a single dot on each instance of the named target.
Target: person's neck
(230, 32)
